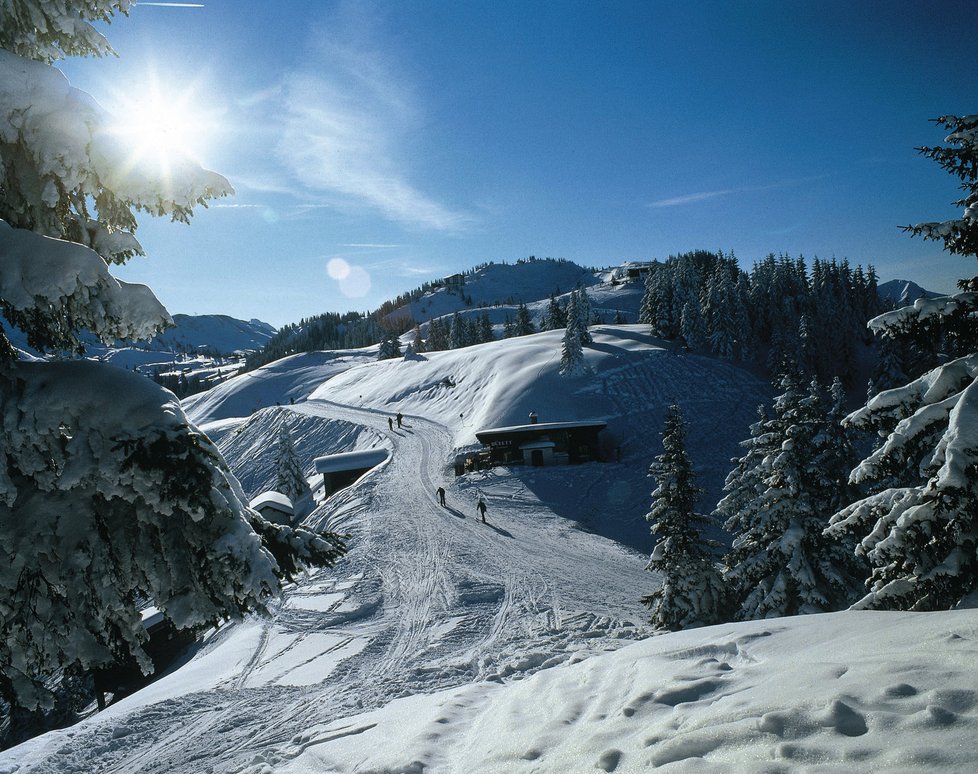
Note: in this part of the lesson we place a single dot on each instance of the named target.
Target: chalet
(541, 443)
(639, 270)
(454, 281)
(274, 507)
(341, 470)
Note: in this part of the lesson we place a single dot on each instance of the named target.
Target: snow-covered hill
(497, 289)
(633, 379)
(501, 285)
(441, 644)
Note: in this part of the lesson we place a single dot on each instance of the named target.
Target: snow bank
(841, 691)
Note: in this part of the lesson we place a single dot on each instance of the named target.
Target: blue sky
(375, 146)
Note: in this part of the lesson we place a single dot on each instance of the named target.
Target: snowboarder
(481, 508)
(399, 418)
(441, 495)
(390, 423)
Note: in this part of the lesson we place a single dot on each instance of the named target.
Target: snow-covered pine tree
(584, 315)
(656, 306)
(555, 317)
(575, 321)
(417, 343)
(458, 333)
(437, 336)
(572, 354)
(692, 326)
(289, 479)
(509, 329)
(390, 346)
(484, 329)
(109, 498)
(691, 592)
(524, 325)
(722, 312)
(835, 454)
(918, 526)
(777, 508)
(889, 371)
(746, 481)
(685, 294)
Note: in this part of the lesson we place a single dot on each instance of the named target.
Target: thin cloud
(701, 196)
(346, 116)
(172, 5)
(677, 201)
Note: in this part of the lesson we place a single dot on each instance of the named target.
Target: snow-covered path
(463, 600)
(429, 597)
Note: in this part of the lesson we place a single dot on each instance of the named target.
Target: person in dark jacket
(399, 418)
(390, 423)
(441, 495)
(481, 508)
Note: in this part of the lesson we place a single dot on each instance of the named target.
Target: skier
(390, 423)
(481, 508)
(399, 418)
(441, 495)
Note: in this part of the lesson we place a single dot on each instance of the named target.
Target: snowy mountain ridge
(212, 333)
(903, 292)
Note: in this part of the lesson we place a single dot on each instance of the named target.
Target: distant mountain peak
(902, 292)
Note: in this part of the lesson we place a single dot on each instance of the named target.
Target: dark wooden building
(341, 470)
(545, 443)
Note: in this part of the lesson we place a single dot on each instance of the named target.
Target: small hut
(341, 470)
(274, 507)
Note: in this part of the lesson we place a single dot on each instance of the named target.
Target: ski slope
(442, 644)
(428, 598)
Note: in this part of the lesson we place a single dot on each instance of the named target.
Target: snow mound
(840, 691)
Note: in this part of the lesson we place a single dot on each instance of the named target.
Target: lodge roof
(357, 460)
(539, 427)
(272, 499)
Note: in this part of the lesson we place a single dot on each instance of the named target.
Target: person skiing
(399, 418)
(481, 508)
(390, 423)
(441, 495)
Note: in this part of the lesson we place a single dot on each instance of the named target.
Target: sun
(161, 125)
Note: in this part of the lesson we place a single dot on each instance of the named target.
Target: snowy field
(441, 644)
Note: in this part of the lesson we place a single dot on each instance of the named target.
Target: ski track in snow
(429, 597)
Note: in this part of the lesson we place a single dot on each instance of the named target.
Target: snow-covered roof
(272, 499)
(336, 463)
(151, 617)
(538, 427)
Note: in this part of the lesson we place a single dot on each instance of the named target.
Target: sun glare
(162, 126)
